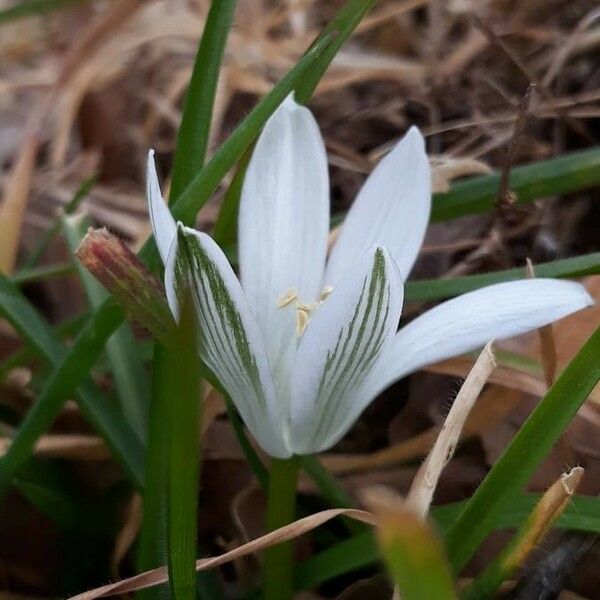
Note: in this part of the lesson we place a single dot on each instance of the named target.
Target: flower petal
(465, 323)
(341, 345)
(392, 209)
(163, 224)
(231, 344)
(283, 226)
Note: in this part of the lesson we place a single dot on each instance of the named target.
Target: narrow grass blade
(192, 137)
(74, 367)
(152, 547)
(203, 185)
(30, 8)
(183, 432)
(32, 274)
(547, 178)
(342, 25)
(46, 238)
(437, 289)
(128, 372)
(225, 229)
(27, 353)
(524, 454)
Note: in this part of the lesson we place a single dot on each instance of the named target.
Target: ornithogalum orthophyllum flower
(303, 343)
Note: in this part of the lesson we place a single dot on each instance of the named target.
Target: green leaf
(30, 8)
(435, 289)
(192, 137)
(74, 367)
(129, 375)
(547, 178)
(183, 426)
(342, 26)
(526, 451)
(32, 274)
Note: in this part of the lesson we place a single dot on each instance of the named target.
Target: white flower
(301, 346)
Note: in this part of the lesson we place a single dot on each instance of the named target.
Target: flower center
(304, 311)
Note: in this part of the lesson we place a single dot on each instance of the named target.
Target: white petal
(341, 345)
(230, 342)
(392, 209)
(163, 224)
(465, 323)
(283, 227)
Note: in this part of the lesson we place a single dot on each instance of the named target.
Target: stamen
(307, 308)
(302, 318)
(287, 298)
(326, 293)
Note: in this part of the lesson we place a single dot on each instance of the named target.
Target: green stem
(281, 510)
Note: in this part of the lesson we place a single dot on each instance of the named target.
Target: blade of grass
(46, 238)
(435, 289)
(192, 137)
(152, 547)
(546, 178)
(206, 181)
(128, 372)
(27, 354)
(102, 414)
(33, 274)
(525, 452)
(31, 8)
(344, 23)
(183, 432)
(225, 229)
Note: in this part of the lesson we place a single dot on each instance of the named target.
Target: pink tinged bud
(121, 272)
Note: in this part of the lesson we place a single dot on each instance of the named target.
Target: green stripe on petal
(230, 342)
(339, 349)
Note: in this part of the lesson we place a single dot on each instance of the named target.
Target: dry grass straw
(550, 506)
(284, 534)
(68, 446)
(423, 487)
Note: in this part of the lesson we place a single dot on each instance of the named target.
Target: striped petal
(163, 224)
(283, 227)
(392, 209)
(337, 352)
(231, 344)
(465, 323)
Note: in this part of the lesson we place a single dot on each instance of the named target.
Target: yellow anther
(326, 293)
(287, 298)
(302, 319)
